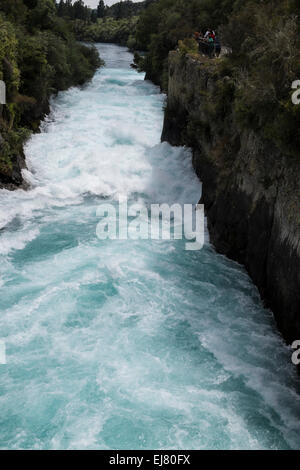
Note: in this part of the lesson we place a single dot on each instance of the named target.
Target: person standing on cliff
(211, 46)
(218, 46)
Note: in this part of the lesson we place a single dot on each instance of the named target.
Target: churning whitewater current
(127, 344)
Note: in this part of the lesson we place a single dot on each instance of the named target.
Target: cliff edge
(251, 190)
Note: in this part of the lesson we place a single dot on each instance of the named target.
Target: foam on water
(127, 344)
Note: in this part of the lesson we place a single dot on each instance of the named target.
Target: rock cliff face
(251, 191)
(11, 175)
(12, 178)
(10, 169)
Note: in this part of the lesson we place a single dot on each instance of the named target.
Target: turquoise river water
(127, 344)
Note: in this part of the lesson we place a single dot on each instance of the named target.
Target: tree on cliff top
(101, 9)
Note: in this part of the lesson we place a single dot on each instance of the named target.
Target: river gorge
(127, 344)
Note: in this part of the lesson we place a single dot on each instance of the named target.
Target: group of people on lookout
(209, 43)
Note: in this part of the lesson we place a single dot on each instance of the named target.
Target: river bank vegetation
(38, 57)
(109, 30)
(110, 24)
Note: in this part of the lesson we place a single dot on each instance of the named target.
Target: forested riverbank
(39, 56)
(109, 24)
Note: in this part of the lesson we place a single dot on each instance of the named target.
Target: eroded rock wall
(251, 190)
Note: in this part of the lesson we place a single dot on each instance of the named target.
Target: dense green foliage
(38, 56)
(165, 22)
(120, 10)
(109, 29)
(265, 43)
(75, 10)
(264, 63)
(127, 8)
(115, 24)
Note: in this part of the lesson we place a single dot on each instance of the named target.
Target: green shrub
(188, 46)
